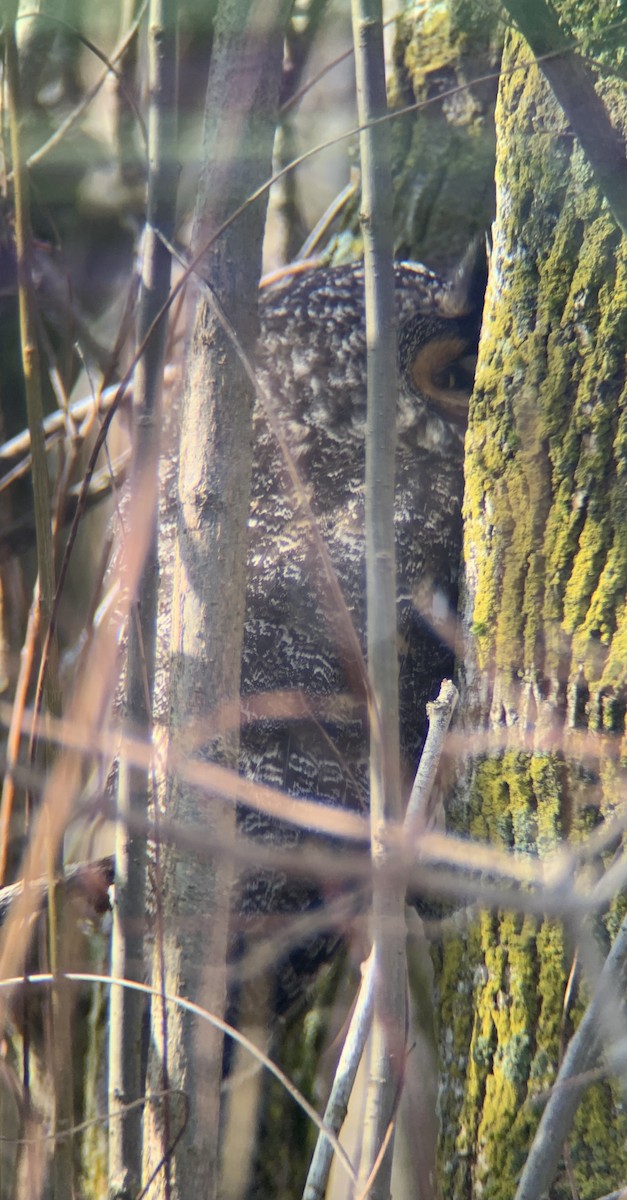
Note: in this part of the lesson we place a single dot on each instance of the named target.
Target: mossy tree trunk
(546, 578)
(446, 59)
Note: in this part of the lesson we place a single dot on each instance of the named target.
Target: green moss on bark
(444, 154)
(545, 558)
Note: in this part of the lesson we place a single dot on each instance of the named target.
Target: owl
(304, 721)
(312, 361)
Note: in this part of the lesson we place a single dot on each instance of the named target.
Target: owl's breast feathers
(312, 360)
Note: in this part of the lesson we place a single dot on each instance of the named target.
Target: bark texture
(192, 899)
(546, 575)
(443, 154)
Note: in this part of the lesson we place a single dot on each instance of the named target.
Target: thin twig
(72, 117)
(61, 1047)
(81, 412)
(343, 1082)
(574, 87)
(387, 1049)
(329, 66)
(439, 713)
(16, 729)
(16, 981)
(95, 50)
(30, 351)
(127, 1007)
(583, 1049)
(193, 265)
(326, 220)
(343, 623)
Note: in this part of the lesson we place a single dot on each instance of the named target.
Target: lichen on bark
(444, 154)
(546, 577)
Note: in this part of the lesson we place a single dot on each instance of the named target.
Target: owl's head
(437, 347)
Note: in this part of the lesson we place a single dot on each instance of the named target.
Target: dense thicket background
(179, 112)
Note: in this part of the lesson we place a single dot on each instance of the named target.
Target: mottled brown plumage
(312, 359)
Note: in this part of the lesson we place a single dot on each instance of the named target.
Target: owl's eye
(442, 373)
(457, 376)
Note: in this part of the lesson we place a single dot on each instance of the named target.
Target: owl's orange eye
(441, 372)
(457, 376)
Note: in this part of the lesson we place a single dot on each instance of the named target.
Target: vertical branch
(343, 1083)
(30, 351)
(417, 816)
(127, 1006)
(210, 575)
(388, 1037)
(573, 84)
(124, 85)
(61, 1046)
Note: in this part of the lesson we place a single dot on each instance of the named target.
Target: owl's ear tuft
(465, 289)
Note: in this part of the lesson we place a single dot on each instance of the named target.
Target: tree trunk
(443, 151)
(191, 896)
(546, 575)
